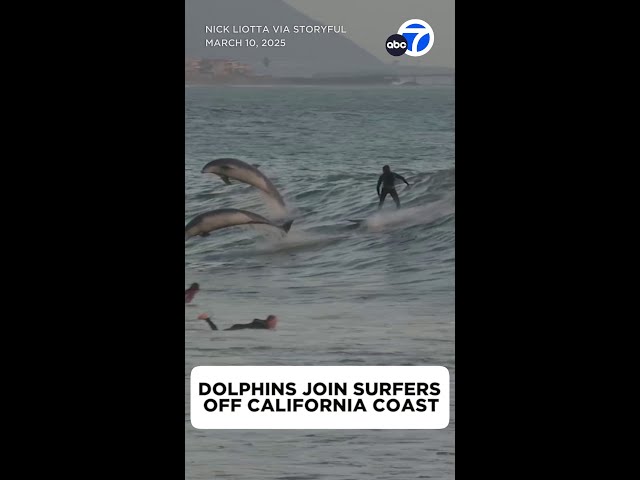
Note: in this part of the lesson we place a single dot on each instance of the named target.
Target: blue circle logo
(419, 36)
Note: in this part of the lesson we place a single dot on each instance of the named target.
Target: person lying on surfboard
(388, 180)
(268, 324)
(257, 324)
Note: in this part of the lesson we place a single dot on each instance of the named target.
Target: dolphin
(227, 168)
(207, 222)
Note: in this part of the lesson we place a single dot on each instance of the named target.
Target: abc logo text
(414, 38)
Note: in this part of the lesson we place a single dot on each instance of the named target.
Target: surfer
(388, 180)
(190, 292)
(205, 317)
(268, 324)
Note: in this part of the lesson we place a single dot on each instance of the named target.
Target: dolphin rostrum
(227, 168)
(207, 222)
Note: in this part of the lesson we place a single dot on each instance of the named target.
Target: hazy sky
(370, 22)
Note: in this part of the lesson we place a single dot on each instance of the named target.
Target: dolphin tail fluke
(287, 226)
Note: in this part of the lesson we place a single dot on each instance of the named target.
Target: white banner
(317, 397)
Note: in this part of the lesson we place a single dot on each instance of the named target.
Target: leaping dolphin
(227, 168)
(207, 222)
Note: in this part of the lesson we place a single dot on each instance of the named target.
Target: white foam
(407, 217)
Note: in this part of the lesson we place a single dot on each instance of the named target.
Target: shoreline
(365, 80)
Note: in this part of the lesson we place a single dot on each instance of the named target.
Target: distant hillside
(303, 55)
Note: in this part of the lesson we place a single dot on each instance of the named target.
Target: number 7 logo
(419, 35)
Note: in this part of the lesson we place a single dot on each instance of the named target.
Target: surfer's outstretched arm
(206, 318)
(211, 324)
(378, 186)
(400, 177)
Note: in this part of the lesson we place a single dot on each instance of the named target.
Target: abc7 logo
(414, 37)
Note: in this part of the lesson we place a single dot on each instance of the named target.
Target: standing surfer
(388, 180)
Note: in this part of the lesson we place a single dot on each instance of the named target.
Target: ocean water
(378, 292)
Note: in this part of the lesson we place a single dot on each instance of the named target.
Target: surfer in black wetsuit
(388, 180)
(268, 324)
